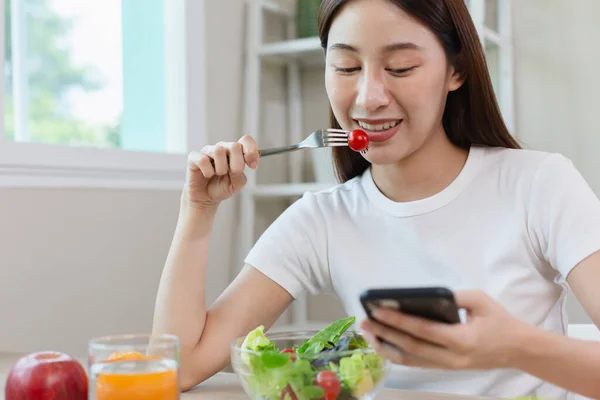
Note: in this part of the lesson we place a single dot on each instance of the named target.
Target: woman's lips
(381, 136)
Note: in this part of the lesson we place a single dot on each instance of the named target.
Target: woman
(443, 196)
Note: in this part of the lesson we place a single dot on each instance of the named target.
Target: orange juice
(129, 376)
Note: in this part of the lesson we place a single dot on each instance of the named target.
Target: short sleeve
(563, 214)
(293, 250)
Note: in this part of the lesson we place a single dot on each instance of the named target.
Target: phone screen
(434, 308)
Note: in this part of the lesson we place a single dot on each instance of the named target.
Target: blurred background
(103, 100)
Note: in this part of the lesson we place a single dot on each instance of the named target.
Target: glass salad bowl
(331, 364)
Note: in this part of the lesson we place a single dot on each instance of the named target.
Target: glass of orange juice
(137, 366)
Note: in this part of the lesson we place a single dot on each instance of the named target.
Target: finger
(237, 181)
(198, 160)
(250, 150)
(396, 337)
(422, 350)
(236, 158)
(218, 153)
(398, 356)
(435, 332)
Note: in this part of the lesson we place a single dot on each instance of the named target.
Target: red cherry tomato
(358, 140)
(289, 351)
(330, 383)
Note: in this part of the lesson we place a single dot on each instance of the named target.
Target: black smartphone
(435, 303)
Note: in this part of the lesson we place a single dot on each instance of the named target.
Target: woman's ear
(456, 72)
(456, 79)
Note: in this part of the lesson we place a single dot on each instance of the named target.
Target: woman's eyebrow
(343, 46)
(387, 49)
(401, 46)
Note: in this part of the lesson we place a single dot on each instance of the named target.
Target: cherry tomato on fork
(358, 140)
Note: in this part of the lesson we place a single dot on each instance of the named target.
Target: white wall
(557, 54)
(79, 263)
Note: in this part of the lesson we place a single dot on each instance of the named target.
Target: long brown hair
(472, 114)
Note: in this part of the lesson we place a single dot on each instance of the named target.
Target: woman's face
(387, 74)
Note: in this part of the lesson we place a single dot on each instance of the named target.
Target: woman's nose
(372, 94)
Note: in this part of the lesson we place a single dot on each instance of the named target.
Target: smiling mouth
(378, 127)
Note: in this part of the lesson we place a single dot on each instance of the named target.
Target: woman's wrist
(195, 219)
(195, 209)
(533, 346)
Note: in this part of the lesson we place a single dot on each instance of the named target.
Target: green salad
(314, 370)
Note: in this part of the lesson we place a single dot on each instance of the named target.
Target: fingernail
(379, 313)
(253, 164)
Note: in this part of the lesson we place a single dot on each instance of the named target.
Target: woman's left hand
(488, 339)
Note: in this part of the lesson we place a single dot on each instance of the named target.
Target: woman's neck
(423, 173)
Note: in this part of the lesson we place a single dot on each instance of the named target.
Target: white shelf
(291, 47)
(277, 8)
(492, 36)
(306, 51)
(288, 189)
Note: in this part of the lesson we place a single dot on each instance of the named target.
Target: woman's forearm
(180, 304)
(570, 363)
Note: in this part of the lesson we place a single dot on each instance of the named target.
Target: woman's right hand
(216, 172)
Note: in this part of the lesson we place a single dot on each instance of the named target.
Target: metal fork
(319, 138)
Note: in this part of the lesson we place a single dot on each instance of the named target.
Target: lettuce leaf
(256, 341)
(327, 337)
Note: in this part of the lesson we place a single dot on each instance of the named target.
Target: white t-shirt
(513, 224)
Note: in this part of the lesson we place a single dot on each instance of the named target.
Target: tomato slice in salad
(289, 351)
(330, 383)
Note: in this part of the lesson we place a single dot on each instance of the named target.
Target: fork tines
(335, 137)
(337, 130)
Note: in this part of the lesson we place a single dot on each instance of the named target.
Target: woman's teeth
(378, 127)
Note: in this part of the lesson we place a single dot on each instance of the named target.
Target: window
(98, 89)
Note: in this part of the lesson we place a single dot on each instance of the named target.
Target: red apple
(47, 375)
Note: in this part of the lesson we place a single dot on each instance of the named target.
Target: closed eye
(400, 71)
(347, 70)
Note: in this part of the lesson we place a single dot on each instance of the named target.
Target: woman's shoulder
(328, 199)
(314, 210)
(525, 161)
(537, 172)
(521, 156)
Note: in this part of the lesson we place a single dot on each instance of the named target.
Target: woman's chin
(386, 155)
(380, 156)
